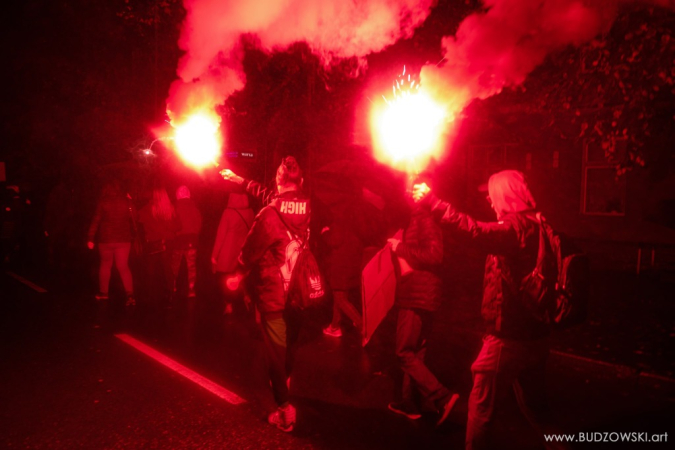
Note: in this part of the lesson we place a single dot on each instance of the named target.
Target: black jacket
(422, 248)
(112, 221)
(263, 252)
(512, 244)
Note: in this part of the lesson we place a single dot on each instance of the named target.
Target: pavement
(70, 381)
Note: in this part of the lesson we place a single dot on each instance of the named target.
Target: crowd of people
(250, 251)
(514, 348)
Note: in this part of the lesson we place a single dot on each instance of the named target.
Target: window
(603, 192)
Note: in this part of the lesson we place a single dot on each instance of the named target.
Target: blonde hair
(162, 209)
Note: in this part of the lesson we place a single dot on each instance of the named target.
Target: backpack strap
(242, 218)
(288, 230)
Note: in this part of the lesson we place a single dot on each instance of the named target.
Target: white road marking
(28, 283)
(191, 375)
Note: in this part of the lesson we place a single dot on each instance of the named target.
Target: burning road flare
(407, 130)
(197, 140)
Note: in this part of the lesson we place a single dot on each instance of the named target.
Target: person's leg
(107, 256)
(191, 262)
(274, 337)
(337, 315)
(492, 380)
(409, 329)
(168, 278)
(345, 305)
(121, 252)
(530, 390)
(405, 342)
(176, 256)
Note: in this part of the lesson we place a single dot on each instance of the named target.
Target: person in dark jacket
(515, 348)
(185, 243)
(263, 258)
(235, 222)
(111, 228)
(419, 254)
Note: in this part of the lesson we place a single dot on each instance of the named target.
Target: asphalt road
(70, 379)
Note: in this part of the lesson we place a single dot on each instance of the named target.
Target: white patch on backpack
(292, 251)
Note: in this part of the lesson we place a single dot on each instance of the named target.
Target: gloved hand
(232, 282)
(228, 175)
(420, 191)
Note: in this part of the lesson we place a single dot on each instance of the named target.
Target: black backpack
(303, 281)
(557, 291)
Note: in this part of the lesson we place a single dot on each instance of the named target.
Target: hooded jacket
(263, 252)
(512, 244)
(422, 248)
(234, 224)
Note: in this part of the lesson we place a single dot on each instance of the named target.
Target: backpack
(303, 282)
(557, 291)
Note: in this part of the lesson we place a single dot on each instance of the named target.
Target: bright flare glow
(197, 140)
(407, 131)
(410, 128)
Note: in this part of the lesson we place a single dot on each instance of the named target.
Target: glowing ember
(197, 140)
(407, 132)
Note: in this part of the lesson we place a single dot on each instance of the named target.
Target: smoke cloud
(210, 70)
(503, 43)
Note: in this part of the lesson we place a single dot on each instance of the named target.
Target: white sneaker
(283, 418)
(334, 332)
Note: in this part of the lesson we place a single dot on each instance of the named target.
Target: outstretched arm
(253, 188)
(495, 237)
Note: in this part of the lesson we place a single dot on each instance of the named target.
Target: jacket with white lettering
(263, 252)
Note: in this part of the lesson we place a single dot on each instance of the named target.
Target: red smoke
(502, 44)
(496, 47)
(210, 69)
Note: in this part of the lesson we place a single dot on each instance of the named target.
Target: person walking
(187, 237)
(262, 257)
(515, 346)
(419, 253)
(111, 229)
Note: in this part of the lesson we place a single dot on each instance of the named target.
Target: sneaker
(405, 409)
(447, 407)
(330, 331)
(101, 296)
(283, 418)
(131, 301)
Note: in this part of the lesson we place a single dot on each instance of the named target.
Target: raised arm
(253, 188)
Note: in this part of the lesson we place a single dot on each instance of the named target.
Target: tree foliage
(618, 87)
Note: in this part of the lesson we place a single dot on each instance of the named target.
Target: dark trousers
(501, 366)
(190, 255)
(412, 332)
(159, 280)
(280, 335)
(342, 304)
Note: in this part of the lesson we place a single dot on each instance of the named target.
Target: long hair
(509, 193)
(162, 209)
